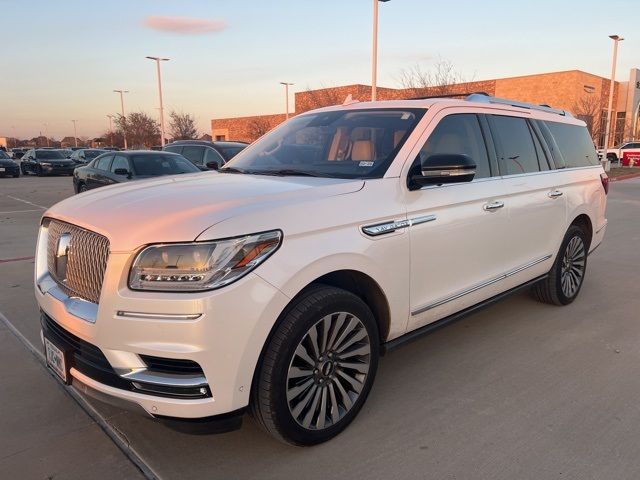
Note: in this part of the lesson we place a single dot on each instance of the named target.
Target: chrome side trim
(159, 316)
(389, 227)
(478, 286)
(143, 375)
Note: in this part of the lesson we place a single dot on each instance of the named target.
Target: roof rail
(449, 95)
(484, 98)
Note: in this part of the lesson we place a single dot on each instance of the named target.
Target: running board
(443, 322)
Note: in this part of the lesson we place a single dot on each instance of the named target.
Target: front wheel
(318, 367)
(39, 171)
(23, 170)
(566, 276)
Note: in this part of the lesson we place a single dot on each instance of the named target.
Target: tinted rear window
(229, 152)
(92, 153)
(518, 150)
(574, 143)
(48, 155)
(162, 165)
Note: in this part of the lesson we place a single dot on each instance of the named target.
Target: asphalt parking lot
(520, 390)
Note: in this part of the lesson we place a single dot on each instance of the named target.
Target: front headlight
(198, 266)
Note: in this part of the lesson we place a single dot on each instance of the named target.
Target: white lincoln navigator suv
(275, 284)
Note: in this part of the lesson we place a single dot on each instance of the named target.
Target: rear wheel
(318, 367)
(565, 279)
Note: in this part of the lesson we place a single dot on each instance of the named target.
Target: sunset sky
(60, 60)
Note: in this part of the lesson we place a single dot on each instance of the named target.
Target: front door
(457, 230)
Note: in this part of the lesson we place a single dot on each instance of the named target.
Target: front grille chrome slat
(86, 262)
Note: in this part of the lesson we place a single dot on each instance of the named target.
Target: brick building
(583, 94)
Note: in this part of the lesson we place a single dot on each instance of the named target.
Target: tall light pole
(374, 52)
(158, 60)
(75, 133)
(46, 133)
(124, 119)
(286, 93)
(110, 117)
(616, 39)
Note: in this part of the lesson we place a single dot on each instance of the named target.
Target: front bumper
(222, 331)
(9, 170)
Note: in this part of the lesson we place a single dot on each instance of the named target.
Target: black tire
(82, 187)
(553, 289)
(612, 157)
(269, 403)
(23, 170)
(39, 171)
(16, 175)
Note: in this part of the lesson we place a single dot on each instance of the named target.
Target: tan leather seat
(363, 151)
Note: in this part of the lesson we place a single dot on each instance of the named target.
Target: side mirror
(122, 171)
(442, 168)
(212, 165)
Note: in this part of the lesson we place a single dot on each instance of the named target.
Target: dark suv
(206, 155)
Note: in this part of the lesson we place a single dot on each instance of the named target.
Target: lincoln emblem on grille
(62, 256)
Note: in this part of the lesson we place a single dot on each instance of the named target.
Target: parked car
(206, 155)
(45, 161)
(85, 155)
(66, 152)
(17, 153)
(616, 153)
(276, 284)
(117, 167)
(8, 166)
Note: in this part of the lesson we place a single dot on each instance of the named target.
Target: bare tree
(257, 127)
(441, 79)
(142, 130)
(182, 126)
(589, 108)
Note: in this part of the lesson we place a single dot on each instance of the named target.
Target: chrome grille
(86, 262)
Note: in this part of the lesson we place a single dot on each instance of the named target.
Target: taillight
(604, 178)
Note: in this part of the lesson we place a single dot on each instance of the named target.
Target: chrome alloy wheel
(573, 264)
(328, 371)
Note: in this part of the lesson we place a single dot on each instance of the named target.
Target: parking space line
(19, 211)
(120, 442)
(27, 201)
(19, 259)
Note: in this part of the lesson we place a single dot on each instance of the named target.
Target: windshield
(340, 144)
(3, 154)
(161, 165)
(49, 155)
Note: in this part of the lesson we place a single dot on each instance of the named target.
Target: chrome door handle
(555, 194)
(488, 207)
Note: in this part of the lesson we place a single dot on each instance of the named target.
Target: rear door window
(574, 143)
(194, 153)
(517, 150)
(103, 163)
(213, 156)
(121, 162)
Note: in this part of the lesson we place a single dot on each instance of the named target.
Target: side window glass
(543, 162)
(518, 152)
(103, 163)
(120, 162)
(575, 144)
(459, 134)
(212, 155)
(194, 153)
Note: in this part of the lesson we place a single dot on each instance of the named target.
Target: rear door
(535, 198)
(95, 176)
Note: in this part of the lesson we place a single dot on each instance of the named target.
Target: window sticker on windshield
(365, 164)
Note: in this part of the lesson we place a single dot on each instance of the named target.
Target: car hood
(179, 208)
(6, 162)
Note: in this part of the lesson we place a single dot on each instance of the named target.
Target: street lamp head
(158, 59)
(286, 83)
(617, 38)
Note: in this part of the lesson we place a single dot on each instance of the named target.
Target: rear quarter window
(574, 143)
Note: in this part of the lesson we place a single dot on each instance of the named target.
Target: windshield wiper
(289, 172)
(232, 170)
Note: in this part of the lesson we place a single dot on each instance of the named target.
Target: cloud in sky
(184, 25)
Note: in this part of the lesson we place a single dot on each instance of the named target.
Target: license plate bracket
(57, 360)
